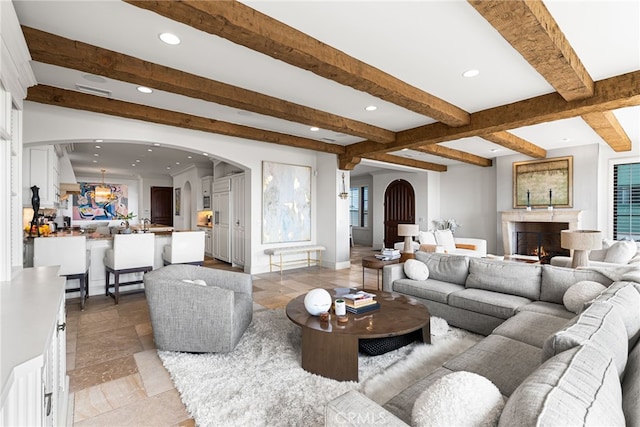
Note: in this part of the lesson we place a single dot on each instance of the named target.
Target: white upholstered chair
(131, 253)
(187, 247)
(70, 253)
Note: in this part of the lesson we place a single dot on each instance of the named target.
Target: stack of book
(387, 254)
(360, 302)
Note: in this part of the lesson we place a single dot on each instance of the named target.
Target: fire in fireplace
(540, 239)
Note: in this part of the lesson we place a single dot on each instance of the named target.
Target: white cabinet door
(40, 168)
(238, 219)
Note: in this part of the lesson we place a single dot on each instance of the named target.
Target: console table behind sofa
(280, 252)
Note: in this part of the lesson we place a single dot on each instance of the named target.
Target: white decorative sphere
(317, 301)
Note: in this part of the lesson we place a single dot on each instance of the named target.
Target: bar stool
(131, 253)
(187, 247)
(71, 254)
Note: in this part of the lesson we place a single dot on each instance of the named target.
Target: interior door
(162, 205)
(399, 208)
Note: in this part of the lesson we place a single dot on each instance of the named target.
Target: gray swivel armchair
(195, 318)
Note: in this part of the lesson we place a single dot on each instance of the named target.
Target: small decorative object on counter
(340, 307)
(324, 317)
(317, 301)
(35, 204)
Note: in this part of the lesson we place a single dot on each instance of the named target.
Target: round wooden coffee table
(330, 348)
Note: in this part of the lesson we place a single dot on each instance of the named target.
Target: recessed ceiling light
(156, 144)
(98, 146)
(371, 108)
(495, 150)
(205, 154)
(405, 149)
(144, 89)
(98, 140)
(168, 167)
(169, 38)
(95, 154)
(189, 157)
(137, 161)
(177, 163)
(149, 149)
(566, 139)
(95, 161)
(133, 164)
(471, 73)
(314, 129)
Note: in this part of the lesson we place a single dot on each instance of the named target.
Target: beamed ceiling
(552, 74)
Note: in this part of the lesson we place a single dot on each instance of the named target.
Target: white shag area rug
(261, 382)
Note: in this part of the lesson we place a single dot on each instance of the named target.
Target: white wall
(45, 123)
(468, 195)
(193, 176)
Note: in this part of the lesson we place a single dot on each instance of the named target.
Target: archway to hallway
(399, 208)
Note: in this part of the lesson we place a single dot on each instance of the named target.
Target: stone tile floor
(116, 377)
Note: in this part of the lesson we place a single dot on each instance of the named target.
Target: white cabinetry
(221, 215)
(208, 240)
(238, 226)
(206, 185)
(40, 168)
(35, 385)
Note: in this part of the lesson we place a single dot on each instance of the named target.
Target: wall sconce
(344, 193)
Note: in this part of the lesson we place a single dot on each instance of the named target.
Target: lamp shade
(408, 229)
(583, 240)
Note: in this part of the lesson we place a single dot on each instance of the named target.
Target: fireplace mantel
(509, 218)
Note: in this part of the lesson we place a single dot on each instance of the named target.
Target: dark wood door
(162, 205)
(399, 208)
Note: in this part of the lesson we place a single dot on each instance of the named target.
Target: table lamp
(582, 242)
(408, 231)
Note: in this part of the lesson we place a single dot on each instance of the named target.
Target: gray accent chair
(195, 318)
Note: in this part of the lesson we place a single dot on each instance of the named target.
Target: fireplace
(538, 231)
(540, 239)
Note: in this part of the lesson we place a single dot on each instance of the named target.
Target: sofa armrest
(391, 273)
(232, 280)
(480, 244)
(355, 409)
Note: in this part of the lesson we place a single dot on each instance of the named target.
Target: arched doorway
(399, 208)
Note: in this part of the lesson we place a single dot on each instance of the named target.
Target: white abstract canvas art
(286, 203)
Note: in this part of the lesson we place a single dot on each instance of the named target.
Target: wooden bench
(308, 249)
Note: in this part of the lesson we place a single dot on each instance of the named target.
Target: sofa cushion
(558, 310)
(427, 238)
(506, 277)
(494, 304)
(556, 281)
(625, 297)
(445, 238)
(460, 398)
(621, 252)
(631, 388)
(416, 270)
(530, 327)
(505, 362)
(580, 293)
(600, 326)
(577, 387)
(429, 289)
(447, 268)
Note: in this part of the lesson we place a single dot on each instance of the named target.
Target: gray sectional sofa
(553, 366)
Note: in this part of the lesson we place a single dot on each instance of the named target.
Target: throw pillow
(426, 238)
(459, 399)
(600, 254)
(579, 293)
(445, 238)
(416, 270)
(621, 252)
(198, 282)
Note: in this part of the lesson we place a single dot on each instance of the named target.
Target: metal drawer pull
(48, 398)
(62, 327)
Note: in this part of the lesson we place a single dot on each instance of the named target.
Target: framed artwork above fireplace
(543, 183)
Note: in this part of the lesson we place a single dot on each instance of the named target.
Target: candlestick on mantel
(528, 200)
(550, 203)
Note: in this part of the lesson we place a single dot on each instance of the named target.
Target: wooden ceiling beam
(80, 101)
(245, 26)
(397, 160)
(515, 143)
(453, 154)
(55, 50)
(529, 27)
(608, 127)
(610, 94)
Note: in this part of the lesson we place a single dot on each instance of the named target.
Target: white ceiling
(428, 44)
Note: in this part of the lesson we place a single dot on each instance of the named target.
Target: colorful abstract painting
(86, 208)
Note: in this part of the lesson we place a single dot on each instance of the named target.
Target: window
(359, 206)
(626, 201)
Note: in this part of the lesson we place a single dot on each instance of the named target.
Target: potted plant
(125, 221)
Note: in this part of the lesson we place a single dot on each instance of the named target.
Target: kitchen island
(97, 245)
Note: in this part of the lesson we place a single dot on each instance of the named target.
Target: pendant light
(102, 193)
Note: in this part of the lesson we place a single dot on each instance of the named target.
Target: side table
(377, 264)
